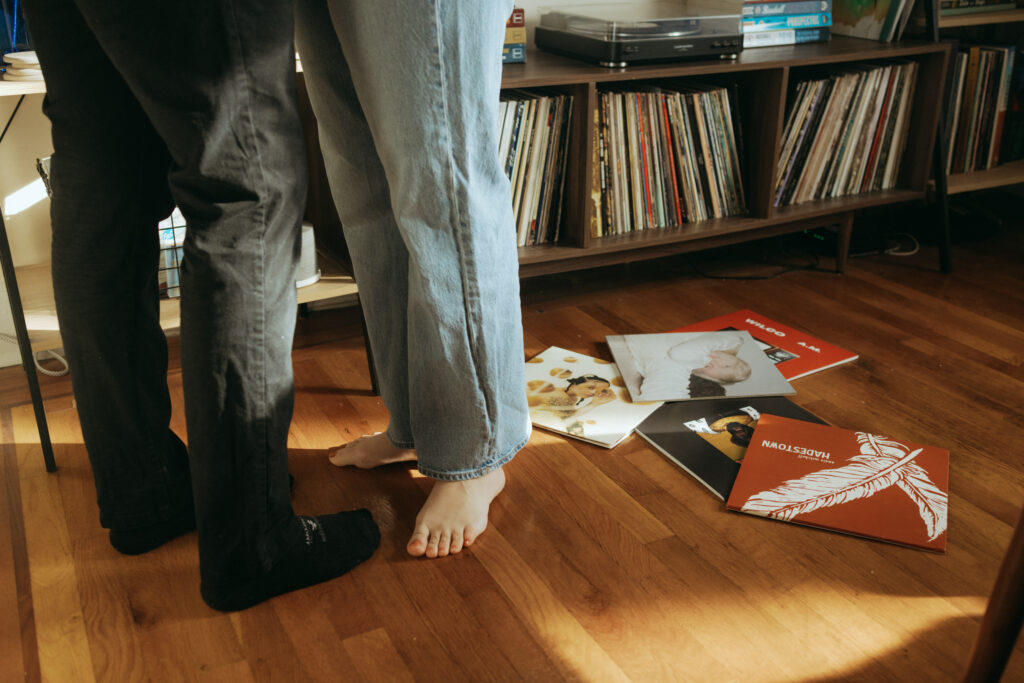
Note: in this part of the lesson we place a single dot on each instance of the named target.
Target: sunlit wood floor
(598, 564)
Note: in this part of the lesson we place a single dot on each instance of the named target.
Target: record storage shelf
(1003, 175)
(764, 75)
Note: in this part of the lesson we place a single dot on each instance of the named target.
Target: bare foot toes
(370, 451)
(454, 514)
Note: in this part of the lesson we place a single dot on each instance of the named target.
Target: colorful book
(513, 54)
(677, 366)
(581, 396)
(846, 481)
(786, 36)
(761, 9)
(781, 21)
(709, 438)
(793, 352)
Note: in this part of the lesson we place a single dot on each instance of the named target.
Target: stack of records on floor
(785, 23)
(514, 49)
(978, 134)
(532, 147)
(22, 66)
(667, 156)
(845, 132)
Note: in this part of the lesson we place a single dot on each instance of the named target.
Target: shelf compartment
(36, 288)
(981, 18)
(1011, 173)
(644, 244)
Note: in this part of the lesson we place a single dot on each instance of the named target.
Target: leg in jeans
(406, 95)
(216, 82)
(110, 178)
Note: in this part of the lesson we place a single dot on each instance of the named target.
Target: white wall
(532, 7)
(28, 230)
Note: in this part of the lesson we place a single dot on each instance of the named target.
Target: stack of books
(514, 50)
(667, 156)
(533, 149)
(845, 132)
(983, 79)
(785, 23)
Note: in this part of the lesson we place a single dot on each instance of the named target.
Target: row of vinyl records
(985, 112)
(673, 154)
(845, 131)
(667, 156)
(532, 148)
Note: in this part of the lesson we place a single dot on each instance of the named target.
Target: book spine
(513, 54)
(517, 18)
(752, 24)
(515, 35)
(765, 9)
(787, 36)
(1004, 92)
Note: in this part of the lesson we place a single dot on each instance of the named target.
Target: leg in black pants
(189, 102)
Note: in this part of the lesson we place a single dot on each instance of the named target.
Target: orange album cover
(794, 353)
(846, 481)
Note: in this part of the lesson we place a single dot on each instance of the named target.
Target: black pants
(189, 102)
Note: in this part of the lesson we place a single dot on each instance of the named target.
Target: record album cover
(709, 438)
(582, 397)
(847, 481)
(676, 366)
(793, 352)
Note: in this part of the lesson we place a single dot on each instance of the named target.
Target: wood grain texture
(598, 564)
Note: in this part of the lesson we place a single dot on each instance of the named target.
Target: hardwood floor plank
(375, 659)
(17, 628)
(570, 646)
(60, 625)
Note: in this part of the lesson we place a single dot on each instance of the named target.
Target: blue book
(513, 53)
(766, 9)
(774, 23)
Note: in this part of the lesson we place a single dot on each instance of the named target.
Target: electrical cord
(46, 354)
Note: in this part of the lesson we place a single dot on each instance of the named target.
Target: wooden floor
(599, 564)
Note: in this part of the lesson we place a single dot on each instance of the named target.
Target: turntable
(622, 33)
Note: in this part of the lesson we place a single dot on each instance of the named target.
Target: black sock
(331, 546)
(138, 541)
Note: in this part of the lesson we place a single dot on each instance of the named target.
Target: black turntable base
(623, 51)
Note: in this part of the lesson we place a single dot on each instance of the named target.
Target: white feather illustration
(931, 500)
(881, 463)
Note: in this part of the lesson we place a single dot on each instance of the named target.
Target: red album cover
(846, 481)
(794, 353)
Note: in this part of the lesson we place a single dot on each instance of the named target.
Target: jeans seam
(463, 475)
(460, 230)
(260, 262)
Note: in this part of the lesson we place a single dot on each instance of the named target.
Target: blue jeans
(406, 97)
(193, 103)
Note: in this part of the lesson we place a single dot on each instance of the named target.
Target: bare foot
(370, 451)
(454, 515)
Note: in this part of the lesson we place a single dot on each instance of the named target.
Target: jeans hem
(476, 473)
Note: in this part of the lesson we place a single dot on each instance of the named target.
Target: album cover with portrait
(676, 366)
(582, 397)
(709, 438)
